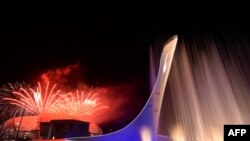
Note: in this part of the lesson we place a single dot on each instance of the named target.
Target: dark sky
(111, 40)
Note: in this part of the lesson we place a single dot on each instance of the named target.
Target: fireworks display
(78, 103)
(49, 100)
(9, 110)
(36, 101)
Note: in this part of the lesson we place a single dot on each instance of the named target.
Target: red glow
(29, 123)
(51, 100)
(59, 74)
(62, 93)
(36, 101)
(79, 104)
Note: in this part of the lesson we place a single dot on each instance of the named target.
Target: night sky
(110, 40)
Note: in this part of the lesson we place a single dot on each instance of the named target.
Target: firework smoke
(117, 97)
(68, 77)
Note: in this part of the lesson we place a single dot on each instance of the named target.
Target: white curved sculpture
(144, 127)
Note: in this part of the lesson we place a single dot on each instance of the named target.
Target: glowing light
(146, 134)
(164, 68)
(165, 64)
(177, 134)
